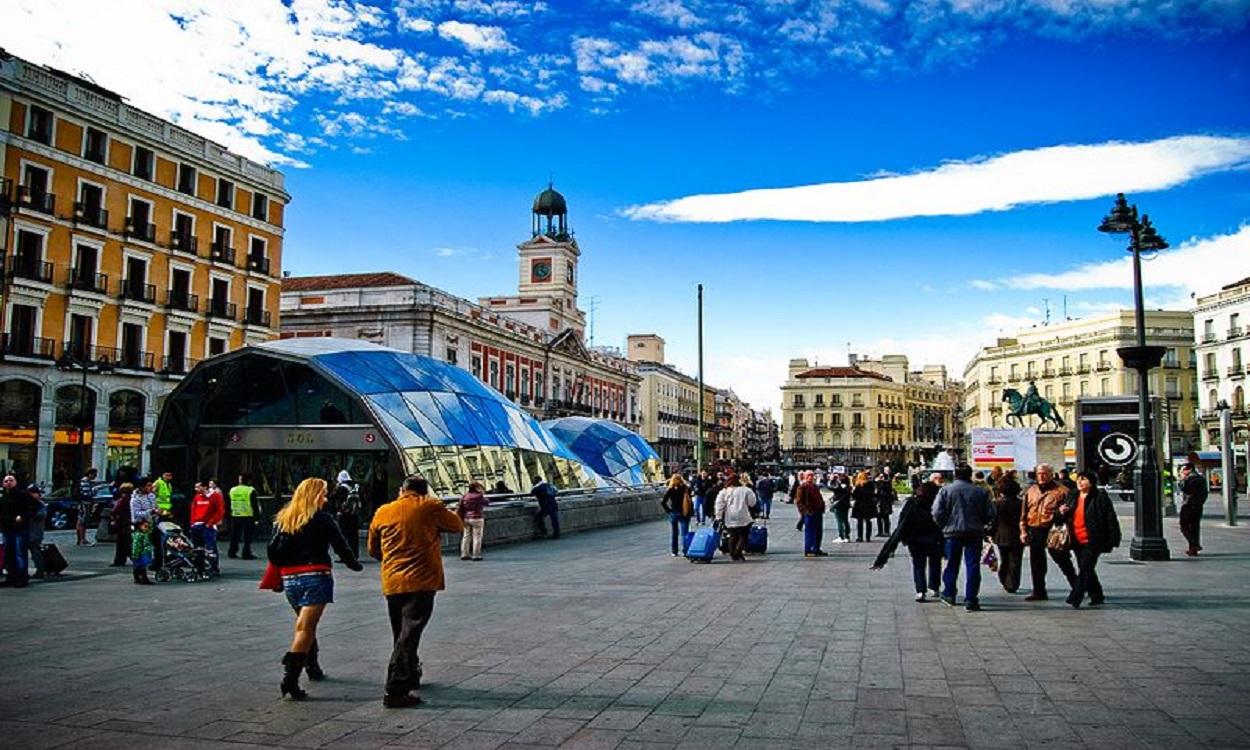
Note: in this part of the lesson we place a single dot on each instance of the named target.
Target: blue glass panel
(480, 421)
(453, 415)
(388, 369)
(426, 414)
(345, 367)
(394, 416)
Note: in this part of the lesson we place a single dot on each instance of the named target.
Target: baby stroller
(183, 560)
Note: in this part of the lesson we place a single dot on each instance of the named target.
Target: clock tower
(547, 289)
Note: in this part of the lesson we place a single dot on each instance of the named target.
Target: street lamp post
(1148, 542)
(70, 361)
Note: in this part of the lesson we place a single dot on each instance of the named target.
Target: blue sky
(414, 136)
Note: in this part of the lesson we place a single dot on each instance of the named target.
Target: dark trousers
(548, 510)
(1191, 524)
(766, 504)
(1038, 553)
(883, 525)
(1087, 580)
(969, 549)
(926, 565)
(158, 548)
(738, 541)
(16, 562)
(121, 552)
(863, 529)
(813, 532)
(349, 524)
(844, 523)
(409, 614)
(1010, 565)
(680, 526)
(242, 528)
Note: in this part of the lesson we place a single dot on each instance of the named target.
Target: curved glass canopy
(609, 449)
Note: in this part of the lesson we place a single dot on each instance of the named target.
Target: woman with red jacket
(207, 511)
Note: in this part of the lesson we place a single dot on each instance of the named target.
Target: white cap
(344, 476)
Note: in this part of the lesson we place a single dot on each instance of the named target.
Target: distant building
(1222, 343)
(129, 244)
(1078, 358)
(529, 347)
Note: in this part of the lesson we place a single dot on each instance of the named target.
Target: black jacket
(841, 498)
(17, 503)
(864, 501)
(1194, 490)
(674, 500)
(311, 544)
(915, 526)
(1007, 507)
(1101, 522)
(885, 498)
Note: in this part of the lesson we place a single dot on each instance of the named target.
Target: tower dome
(551, 215)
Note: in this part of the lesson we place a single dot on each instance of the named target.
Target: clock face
(542, 270)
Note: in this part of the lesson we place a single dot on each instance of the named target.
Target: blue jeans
(205, 536)
(766, 504)
(15, 557)
(698, 508)
(813, 530)
(681, 526)
(926, 565)
(969, 548)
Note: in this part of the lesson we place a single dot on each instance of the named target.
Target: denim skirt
(308, 589)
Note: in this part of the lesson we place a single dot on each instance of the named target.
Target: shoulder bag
(1059, 538)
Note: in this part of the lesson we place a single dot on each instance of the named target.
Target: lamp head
(1148, 238)
(1122, 218)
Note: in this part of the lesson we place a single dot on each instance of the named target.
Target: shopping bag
(989, 557)
(271, 580)
(1058, 538)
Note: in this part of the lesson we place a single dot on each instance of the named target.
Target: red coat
(207, 509)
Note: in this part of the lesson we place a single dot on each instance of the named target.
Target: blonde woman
(679, 507)
(303, 533)
(863, 506)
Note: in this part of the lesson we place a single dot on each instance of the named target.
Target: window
(183, 236)
(144, 164)
(1209, 369)
(225, 193)
(80, 338)
(1234, 324)
(186, 179)
(139, 224)
(1067, 391)
(256, 312)
(176, 353)
(216, 346)
(85, 267)
(475, 366)
(95, 146)
(494, 374)
(223, 247)
(132, 346)
(219, 300)
(1104, 387)
(39, 126)
(451, 356)
(509, 379)
(1208, 328)
(260, 207)
(1015, 372)
(1237, 358)
(180, 290)
(1084, 391)
(22, 329)
(90, 206)
(1173, 388)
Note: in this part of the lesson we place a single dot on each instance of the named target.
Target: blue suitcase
(704, 545)
(757, 539)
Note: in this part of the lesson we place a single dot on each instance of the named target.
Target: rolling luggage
(757, 539)
(53, 561)
(703, 546)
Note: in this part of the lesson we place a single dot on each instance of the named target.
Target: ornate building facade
(528, 347)
(132, 249)
(1222, 344)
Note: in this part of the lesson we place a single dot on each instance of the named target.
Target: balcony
(87, 280)
(127, 359)
(1065, 370)
(994, 408)
(183, 243)
(222, 254)
(177, 365)
(798, 405)
(36, 200)
(258, 264)
(1208, 337)
(994, 380)
(1210, 376)
(1236, 372)
(33, 269)
(91, 215)
(137, 291)
(1103, 367)
(1013, 378)
(256, 316)
(1235, 332)
(1065, 400)
(218, 308)
(1048, 373)
(182, 301)
(28, 346)
(1082, 370)
(140, 230)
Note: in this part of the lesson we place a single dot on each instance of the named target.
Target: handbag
(271, 580)
(1059, 538)
(990, 557)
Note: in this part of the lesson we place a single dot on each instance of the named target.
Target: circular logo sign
(369, 437)
(1117, 449)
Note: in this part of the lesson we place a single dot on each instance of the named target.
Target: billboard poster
(1008, 448)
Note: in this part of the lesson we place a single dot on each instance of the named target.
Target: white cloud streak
(962, 188)
(476, 37)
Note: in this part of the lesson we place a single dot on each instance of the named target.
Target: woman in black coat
(885, 505)
(918, 530)
(863, 506)
(1006, 533)
(1094, 530)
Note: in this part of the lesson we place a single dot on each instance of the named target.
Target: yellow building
(130, 245)
(1078, 358)
(872, 412)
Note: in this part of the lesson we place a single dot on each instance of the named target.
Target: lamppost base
(1149, 548)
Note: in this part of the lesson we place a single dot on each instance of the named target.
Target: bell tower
(547, 266)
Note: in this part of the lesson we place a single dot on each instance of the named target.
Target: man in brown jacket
(1041, 502)
(811, 506)
(405, 536)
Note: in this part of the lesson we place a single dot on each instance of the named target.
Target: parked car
(63, 509)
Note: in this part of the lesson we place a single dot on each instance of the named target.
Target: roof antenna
(1046, 303)
(593, 304)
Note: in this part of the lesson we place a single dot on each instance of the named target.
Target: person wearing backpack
(346, 504)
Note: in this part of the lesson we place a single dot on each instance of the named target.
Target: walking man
(405, 537)
(1193, 497)
(811, 505)
(764, 490)
(545, 494)
(964, 512)
(1041, 503)
(244, 508)
(85, 497)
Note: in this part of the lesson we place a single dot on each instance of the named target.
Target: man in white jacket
(733, 510)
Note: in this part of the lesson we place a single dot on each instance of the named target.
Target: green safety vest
(164, 495)
(241, 501)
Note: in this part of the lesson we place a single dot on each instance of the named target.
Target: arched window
(857, 439)
(798, 440)
(1213, 399)
(126, 411)
(75, 406)
(19, 403)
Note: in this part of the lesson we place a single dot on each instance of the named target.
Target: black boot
(292, 665)
(313, 667)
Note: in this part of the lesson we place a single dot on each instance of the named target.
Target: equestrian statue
(1031, 403)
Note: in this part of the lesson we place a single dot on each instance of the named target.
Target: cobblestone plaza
(602, 640)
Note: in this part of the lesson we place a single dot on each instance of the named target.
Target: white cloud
(512, 100)
(673, 12)
(475, 37)
(1198, 266)
(706, 55)
(419, 25)
(983, 285)
(998, 183)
